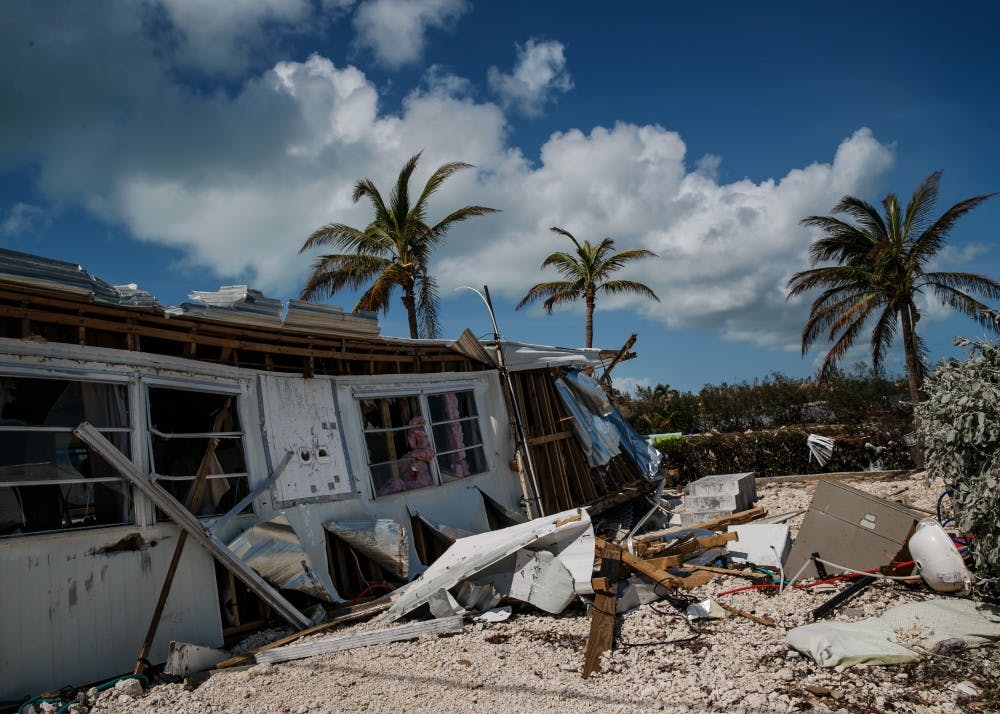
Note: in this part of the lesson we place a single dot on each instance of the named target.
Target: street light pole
(530, 488)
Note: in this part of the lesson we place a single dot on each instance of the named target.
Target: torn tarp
(274, 550)
(493, 557)
(600, 429)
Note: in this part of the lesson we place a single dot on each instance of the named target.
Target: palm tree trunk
(410, 303)
(590, 318)
(914, 373)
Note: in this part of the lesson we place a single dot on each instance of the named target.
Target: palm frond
(963, 303)
(378, 296)
(620, 287)
(921, 204)
(399, 200)
(437, 232)
(546, 290)
(864, 213)
(434, 183)
(564, 232)
(932, 240)
(332, 273)
(883, 335)
(967, 282)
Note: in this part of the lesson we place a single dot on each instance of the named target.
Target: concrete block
(730, 492)
(756, 541)
(690, 518)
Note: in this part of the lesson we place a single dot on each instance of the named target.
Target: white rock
(131, 688)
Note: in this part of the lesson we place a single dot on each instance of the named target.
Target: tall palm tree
(879, 266)
(586, 275)
(392, 251)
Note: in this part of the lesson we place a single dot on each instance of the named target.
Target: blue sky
(184, 145)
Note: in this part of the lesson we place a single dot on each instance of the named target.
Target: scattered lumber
(713, 525)
(350, 614)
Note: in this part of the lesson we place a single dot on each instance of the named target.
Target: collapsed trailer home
(332, 459)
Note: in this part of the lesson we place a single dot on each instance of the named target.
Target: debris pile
(711, 615)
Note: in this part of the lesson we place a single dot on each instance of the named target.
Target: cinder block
(735, 492)
(690, 518)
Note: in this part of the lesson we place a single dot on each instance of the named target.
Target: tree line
(861, 397)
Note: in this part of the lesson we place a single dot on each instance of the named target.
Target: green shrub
(780, 452)
(960, 428)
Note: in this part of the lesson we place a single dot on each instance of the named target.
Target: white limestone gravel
(532, 663)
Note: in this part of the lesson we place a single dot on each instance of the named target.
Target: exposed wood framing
(186, 520)
(58, 317)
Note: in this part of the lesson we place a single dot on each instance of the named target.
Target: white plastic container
(938, 560)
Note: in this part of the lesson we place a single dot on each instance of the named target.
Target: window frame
(422, 393)
(125, 382)
(149, 433)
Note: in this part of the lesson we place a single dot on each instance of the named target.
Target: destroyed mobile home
(309, 460)
(326, 476)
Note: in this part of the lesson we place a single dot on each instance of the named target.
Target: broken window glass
(49, 479)
(459, 441)
(404, 449)
(182, 425)
(400, 453)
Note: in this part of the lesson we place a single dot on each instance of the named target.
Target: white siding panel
(74, 612)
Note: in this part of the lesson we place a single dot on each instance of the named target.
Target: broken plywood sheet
(569, 533)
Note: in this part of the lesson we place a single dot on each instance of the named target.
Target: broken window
(182, 425)
(49, 479)
(459, 442)
(405, 452)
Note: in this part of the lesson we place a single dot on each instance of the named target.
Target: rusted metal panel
(74, 605)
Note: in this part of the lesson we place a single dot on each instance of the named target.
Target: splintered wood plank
(716, 524)
(602, 622)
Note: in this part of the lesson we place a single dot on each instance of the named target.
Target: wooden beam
(548, 438)
(712, 525)
(350, 614)
(619, 357)
(187, 520)
(602, 621)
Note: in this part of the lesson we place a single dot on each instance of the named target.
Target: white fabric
(876, 640)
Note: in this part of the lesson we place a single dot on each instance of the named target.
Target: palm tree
(392, 251)
(879, 266)
(587, 274)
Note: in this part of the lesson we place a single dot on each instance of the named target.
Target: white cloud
(629, 385)
(222, 36)
(24, 219)
(539, 74)
(237, 179)
(396, 30)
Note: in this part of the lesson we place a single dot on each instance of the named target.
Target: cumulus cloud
(222, 36)
(24, 219)
(540, 72)
(236, 180)
(396, 30)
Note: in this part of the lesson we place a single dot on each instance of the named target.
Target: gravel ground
(533, 662)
